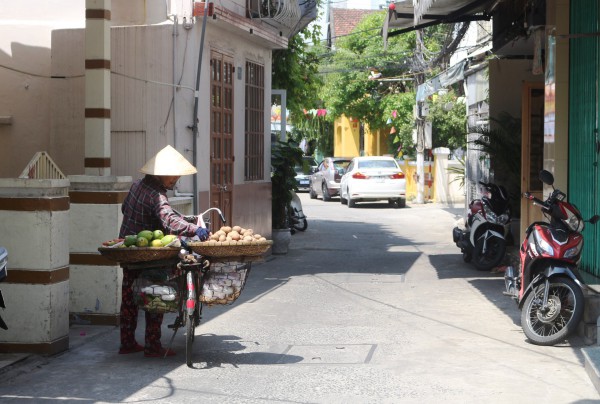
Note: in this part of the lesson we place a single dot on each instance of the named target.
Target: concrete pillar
(34, 228)
(95, 295)
(440, 159)
(97, 87)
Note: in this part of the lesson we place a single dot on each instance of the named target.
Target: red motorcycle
(548, 288)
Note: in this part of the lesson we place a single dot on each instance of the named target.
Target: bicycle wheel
(190, 315)
(189, 338)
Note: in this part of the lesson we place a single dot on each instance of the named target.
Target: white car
(373, 178)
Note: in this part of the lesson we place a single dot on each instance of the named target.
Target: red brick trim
(98, 198)
(41, 348)
(97, 162)
(97, 64)
(90, 259)
(37, 277)
(97, 113)
(97, 319)
(35, 204)
(95, 14)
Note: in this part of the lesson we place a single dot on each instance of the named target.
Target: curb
(592, 358)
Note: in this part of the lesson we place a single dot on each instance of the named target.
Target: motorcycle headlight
(490, 215)
(544, 246)
(573, 252)
(503, 218)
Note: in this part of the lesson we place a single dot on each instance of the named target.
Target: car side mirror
(313, 170)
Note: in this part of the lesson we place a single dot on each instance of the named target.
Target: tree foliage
(348, 89)
(296, 70)
(345, 82)
(448, 117)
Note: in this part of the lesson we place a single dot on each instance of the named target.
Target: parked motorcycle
(3, 275)
(548, 288)
(296, 218)
(487, 228)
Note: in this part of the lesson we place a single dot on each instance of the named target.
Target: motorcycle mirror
(594, 219)
(546, 177)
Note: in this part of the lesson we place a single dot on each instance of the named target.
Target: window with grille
(255, 122)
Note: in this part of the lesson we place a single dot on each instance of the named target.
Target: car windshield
(377, 164)
(341, 164)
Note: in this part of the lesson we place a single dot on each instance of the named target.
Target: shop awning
(404, 17)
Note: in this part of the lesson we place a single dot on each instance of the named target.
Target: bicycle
(193, 269)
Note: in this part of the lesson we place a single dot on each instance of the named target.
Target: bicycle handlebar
(217, 210)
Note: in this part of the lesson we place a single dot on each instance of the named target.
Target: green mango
(130, 241)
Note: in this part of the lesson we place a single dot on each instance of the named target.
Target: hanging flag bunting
(389, 121)
(394, 113)
(393, 130)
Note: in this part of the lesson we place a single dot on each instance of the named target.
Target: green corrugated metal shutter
(583, 124)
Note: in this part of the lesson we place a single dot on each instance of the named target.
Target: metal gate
(583, 123)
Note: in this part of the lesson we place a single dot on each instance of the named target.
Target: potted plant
(284, 157)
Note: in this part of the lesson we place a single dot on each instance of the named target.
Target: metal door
(221, 136)
(584, 144)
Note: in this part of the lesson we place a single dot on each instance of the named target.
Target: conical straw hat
(168, 161)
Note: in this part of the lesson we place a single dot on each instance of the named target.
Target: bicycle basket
(224, 283)
(155, 297)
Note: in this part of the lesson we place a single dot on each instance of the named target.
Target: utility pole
(420, 122)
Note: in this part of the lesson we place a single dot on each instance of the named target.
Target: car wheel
(343, 200)
(351, 202)
(397, 203)
(326, 196)
(312, 193)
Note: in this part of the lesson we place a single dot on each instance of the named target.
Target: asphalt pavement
(370, 304)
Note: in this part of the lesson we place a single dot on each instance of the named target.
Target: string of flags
(315, 112)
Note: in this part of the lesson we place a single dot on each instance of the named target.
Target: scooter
(296, 218)
(487, 229)
(3, 275)
(548, 287)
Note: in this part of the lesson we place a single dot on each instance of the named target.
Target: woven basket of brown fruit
(232, 241)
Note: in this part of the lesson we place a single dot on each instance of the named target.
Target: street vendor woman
(147, 207)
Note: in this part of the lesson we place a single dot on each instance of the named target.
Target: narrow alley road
(371, 305)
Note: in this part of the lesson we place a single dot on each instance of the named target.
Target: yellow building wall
(409, 168)
(346, 142)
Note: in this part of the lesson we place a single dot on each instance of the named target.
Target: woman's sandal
(160, 354)
(133, 349)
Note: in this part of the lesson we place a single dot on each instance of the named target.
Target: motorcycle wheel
(560, 319)
(467, 257)
(302, 225)
(496, 247)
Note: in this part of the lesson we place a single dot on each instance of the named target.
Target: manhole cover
(335, 354)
